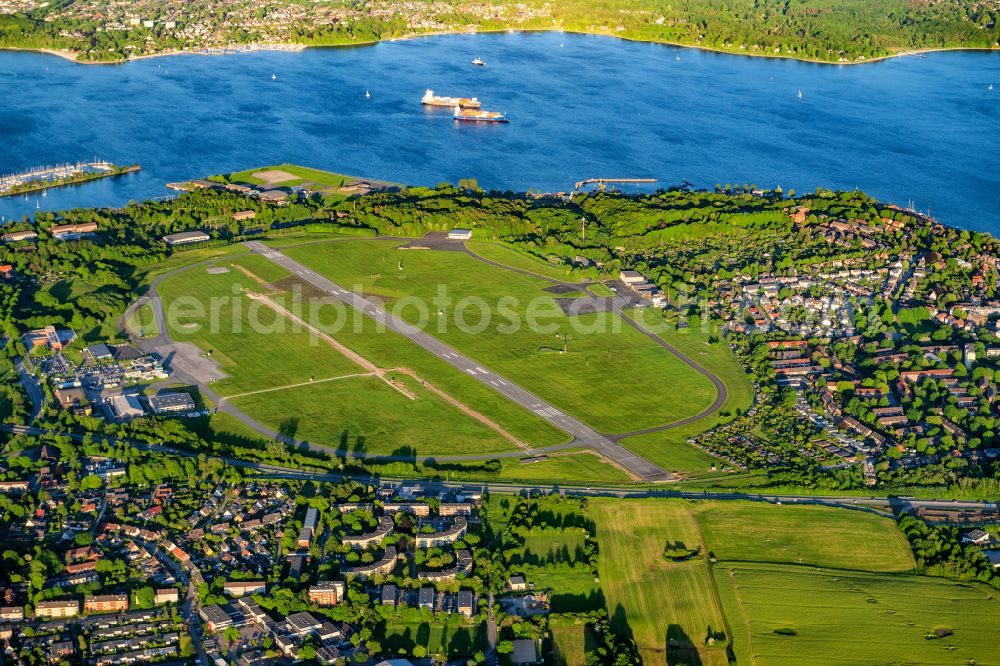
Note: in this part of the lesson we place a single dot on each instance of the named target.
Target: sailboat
(799, 95)
(990, 87)
(367, 95)
(274, 77)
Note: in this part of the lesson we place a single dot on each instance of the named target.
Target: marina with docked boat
(59, 175)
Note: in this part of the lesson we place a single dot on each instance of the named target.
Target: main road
(858, 502)
(583, 435)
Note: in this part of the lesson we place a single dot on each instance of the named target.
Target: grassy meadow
(365, 415)
(269, 354)
(605, 362)
(514, 258)
(452, 638)
(669, 448)
(569, 644)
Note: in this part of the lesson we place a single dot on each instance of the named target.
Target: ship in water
(479, 62)
(480, 116)
(430, 99)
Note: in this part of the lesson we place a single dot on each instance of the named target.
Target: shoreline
(72, 56)
(86, 178)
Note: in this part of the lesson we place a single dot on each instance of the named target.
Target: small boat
(479, 62)
(274, 77)
(480, 116)
(677, 58)
(990, 87)
(367, 95)
(799, 94)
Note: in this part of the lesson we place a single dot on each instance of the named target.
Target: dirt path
(465, 409)
(291, 386)
(256, 278)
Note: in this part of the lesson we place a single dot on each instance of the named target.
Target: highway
(857, 502)
(582, 434)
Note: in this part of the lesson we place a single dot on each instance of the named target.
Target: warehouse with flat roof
(186, 237)
(164, 403)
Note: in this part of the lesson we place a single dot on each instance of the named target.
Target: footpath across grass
(784, 614)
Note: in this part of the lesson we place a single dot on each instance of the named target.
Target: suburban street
(32, 388)
(582, 434)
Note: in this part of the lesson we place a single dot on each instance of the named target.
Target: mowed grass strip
(510, 257)
(256, 347)
(594, 366)
(803, 534)
(364, 415)
(669, 448)
(806, 616)
(663, 604)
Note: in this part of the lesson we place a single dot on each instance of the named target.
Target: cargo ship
(430, 99)
(476, 115)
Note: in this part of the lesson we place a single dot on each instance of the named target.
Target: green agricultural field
(365, 415)
(783, 614)
(670, 608)
(451, 639)
(611, 376)
(814, 535)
